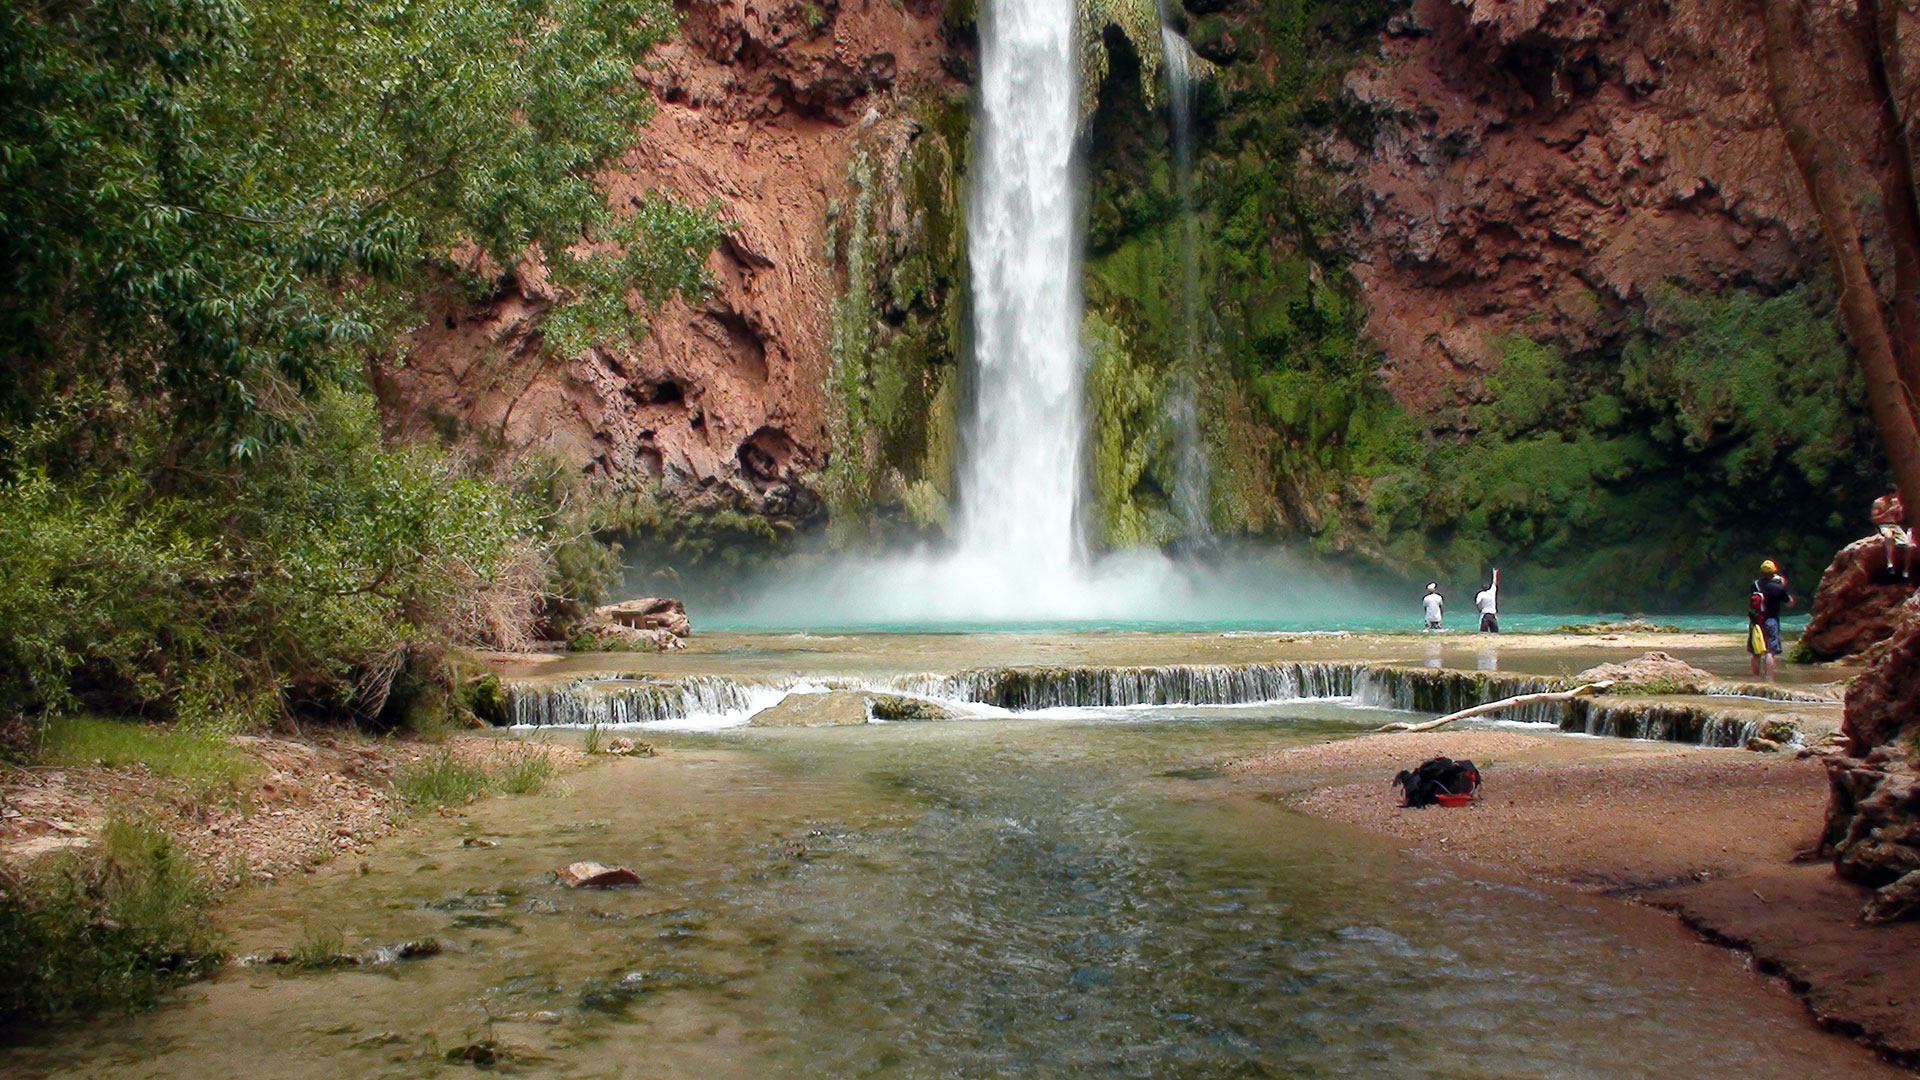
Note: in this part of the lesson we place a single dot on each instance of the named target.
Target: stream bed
(1078, 895)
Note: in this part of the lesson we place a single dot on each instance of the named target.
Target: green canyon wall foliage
(898, 247)
(1648, 469)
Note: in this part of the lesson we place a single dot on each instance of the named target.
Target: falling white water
(1020, 552)
(1191, 470)
(1020, 478)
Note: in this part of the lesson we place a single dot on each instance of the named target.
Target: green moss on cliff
(1285, 381)
(899, 245)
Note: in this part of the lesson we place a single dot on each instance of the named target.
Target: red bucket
(1454, 800)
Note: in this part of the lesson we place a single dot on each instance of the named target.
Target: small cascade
(706, 701)
(1191, 468)
(1032, 689)
(1658, 720)
(614, 701)
(1441, 691)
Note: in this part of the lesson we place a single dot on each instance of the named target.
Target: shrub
(486, 699)
(301, 588)
(108, 927)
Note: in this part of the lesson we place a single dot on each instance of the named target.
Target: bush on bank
(214, 216)
(106, 927)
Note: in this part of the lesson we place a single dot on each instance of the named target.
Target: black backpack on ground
(1438, 776)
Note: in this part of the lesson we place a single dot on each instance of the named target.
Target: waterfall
(1191, 473)
(1020, 480)
(1019, 550)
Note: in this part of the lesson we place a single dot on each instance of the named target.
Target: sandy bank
(304, 804)
(1708, 833)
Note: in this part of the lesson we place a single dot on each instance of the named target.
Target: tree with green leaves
(213, 215)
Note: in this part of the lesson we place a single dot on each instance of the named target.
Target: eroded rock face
(1858, 603)
(1873, 817)
(1537, 168)
(724, 401)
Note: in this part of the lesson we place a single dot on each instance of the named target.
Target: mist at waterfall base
(1252, 589)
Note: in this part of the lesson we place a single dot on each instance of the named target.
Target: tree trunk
(1880, 41)
(1860, 304)
(1504, 703)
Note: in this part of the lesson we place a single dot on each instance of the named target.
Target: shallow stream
(1013, 898)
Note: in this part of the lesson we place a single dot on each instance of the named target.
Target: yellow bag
(1756, 639)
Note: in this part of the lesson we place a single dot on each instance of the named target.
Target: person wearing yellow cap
(1770, 594)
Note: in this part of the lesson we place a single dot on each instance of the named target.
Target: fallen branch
(1504, 703)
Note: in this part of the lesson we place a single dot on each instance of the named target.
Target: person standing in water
(1770, 594)
(1434, 605)
(1487, 600)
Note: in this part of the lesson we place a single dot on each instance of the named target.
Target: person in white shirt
(1434, 605)
(1487, 601)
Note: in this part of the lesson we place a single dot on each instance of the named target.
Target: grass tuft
(443, 780)
(106, 927)
(439, 780)
(529, 770)
(323, 948)
(206, 762)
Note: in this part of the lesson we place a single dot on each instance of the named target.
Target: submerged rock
(1857, 605)
(593, 875)
(832, 708)
(621, 746)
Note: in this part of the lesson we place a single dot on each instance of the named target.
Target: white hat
(1432, 585)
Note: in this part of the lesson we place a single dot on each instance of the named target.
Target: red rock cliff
(1538, 166)
(760, 109)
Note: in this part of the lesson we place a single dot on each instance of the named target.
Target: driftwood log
(1503, 703)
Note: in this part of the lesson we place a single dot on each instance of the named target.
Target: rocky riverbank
(1711, 834)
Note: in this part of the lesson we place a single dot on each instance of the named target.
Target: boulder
(1651, 667)
(832, 708)
(593, 875)
(1857, 604)
(617, 637)
(648, 613)
(1873, 808)
(1895, 902)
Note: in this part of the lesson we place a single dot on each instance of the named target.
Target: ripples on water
(962, 900)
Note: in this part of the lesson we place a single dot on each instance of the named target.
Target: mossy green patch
(207, 762)
(898, 243)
